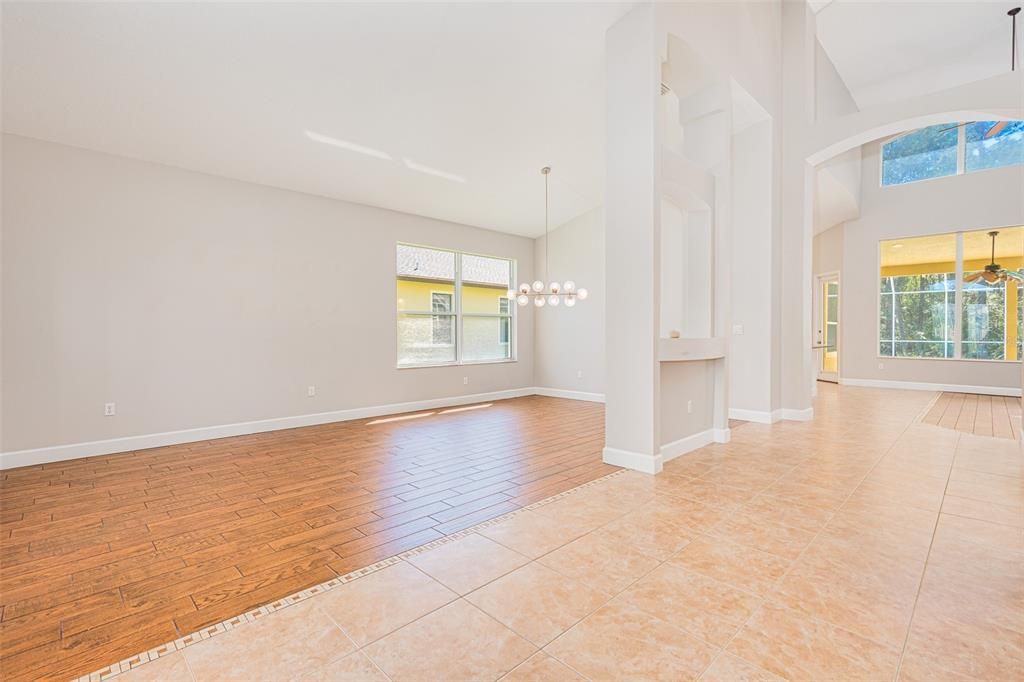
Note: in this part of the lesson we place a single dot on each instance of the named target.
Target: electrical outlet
(689, 407)
(311, 391)
(465, 381)
(109, 409)
(579, 374)
(737, 330)
(881, 365)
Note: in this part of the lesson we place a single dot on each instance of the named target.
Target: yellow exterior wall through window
(415, 296)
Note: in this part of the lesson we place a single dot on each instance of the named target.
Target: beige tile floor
(863, 545)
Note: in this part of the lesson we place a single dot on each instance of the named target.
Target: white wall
(192, 300)
(753, 287)
(570, 341)
(975, 201)
(828, 251)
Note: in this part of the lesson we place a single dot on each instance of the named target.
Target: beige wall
(192, 300)
(570, 342)
(827, 253)
(974, 201)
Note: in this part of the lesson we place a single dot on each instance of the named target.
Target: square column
(632, 242)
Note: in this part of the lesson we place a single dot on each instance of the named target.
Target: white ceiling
(362, 102)
(891, 50)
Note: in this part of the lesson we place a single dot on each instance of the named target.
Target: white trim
(804, 415)
(722, 435)
(569, 395)
(676, 448)
(638, 461)
(921, 386)
(58, 453)
(759, 416)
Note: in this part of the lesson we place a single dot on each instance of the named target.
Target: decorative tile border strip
(210, 631)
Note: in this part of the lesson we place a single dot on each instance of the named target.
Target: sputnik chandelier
(554, 293)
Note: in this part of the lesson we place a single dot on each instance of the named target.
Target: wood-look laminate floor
(982, 415)
(106, 556)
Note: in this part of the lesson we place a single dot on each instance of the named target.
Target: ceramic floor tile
(751, 531)
(743, 567)
(284, 645)
(536, 602)
(706, 608)
(354, 667)
(648, 533)
(169, 668)
(532, 534)
(787, 513)
(383, 601)
(969, 647)
(796, 647)
(542, 668)
(620, 642)
(456, 642)
(915, 668)
(871, 607)
(600, 562)
(467, 563)
(730, 668)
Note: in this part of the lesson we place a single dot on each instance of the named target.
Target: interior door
(826, 322)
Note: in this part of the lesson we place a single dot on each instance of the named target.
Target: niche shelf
(688, 350)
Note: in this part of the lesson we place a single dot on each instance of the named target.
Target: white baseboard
(921, 386)
(571, 395)
(804, 415)
(638, 461)
(59, 453)
(772, 417)
(759, 416)
(676, 448)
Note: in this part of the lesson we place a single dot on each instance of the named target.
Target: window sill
(458, 364)
(905, 357)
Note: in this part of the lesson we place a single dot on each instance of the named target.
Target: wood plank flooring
(982, 415)
(103, 557)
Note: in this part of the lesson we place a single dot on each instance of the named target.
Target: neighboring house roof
(423, 263)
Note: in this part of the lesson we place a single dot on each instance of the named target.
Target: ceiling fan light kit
(993, 273)
(555, 293)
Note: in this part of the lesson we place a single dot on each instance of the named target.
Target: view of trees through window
(452, 307)
(918, 313)
(951, 149)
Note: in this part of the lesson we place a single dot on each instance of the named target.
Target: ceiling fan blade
(990, 277)
(1015, 275)
(973, 277)
(996, 129)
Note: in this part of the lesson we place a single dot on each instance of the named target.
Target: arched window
(952, 149)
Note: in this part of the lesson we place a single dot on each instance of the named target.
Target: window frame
(457, 313)
(958, 291)
(961, 156)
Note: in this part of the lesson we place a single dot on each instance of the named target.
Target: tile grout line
(789, 568)
(181, 643)
(931, 543)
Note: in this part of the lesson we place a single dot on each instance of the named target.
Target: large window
(921, 282)
(452, 307)
(952, 149)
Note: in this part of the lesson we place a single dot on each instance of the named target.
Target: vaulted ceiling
(443, 110)
(890, 50)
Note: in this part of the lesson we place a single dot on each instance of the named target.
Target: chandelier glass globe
(570, 301)
(554, 299)
(538, 286)
(539, 301)
(582, 294)
(569, 286)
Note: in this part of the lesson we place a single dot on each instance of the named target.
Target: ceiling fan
(993, 130)
(999, 125)
(993, 272)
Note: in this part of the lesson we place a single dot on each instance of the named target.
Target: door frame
(818, 302)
